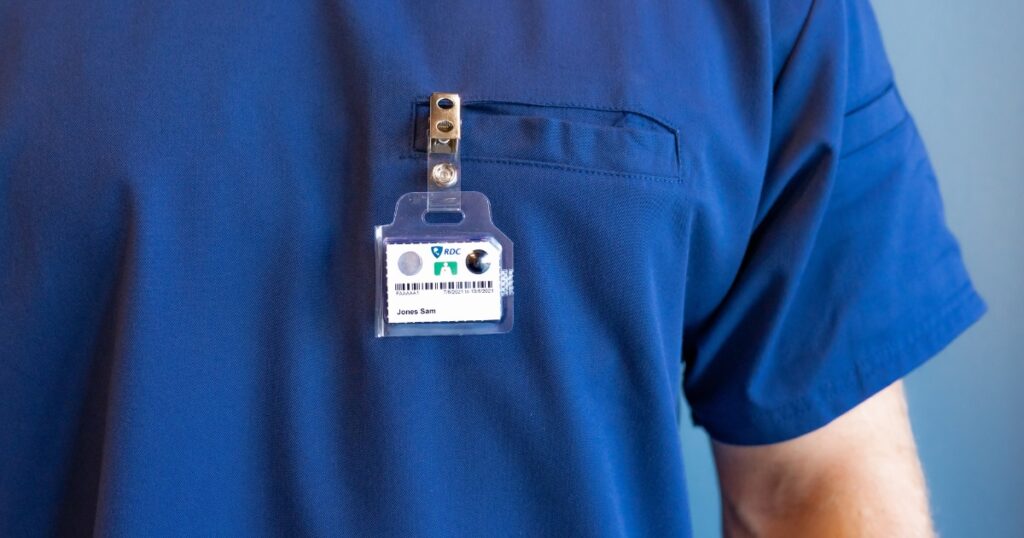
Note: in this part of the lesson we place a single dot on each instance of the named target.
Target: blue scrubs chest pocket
(603, 141)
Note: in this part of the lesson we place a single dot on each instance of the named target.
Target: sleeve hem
(886, 365)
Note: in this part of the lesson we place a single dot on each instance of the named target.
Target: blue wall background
(960, 67)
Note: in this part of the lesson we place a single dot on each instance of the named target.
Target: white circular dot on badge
(410, 263)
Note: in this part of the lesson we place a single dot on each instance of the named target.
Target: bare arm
(858, 476)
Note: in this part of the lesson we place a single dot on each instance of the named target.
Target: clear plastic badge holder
(451, 277)
(436, 279)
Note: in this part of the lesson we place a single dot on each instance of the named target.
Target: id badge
(451, 277)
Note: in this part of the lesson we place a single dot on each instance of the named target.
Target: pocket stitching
(556, 166)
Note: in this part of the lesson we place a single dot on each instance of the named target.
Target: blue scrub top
(728, 197)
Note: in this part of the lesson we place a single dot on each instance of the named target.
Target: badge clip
(444, 169)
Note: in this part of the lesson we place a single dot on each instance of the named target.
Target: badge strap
(444, 169)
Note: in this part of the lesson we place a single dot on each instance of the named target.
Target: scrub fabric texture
(727, 197)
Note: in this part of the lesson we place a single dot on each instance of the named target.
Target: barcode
(428, 286)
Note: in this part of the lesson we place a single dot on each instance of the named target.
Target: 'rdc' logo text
(438, 251)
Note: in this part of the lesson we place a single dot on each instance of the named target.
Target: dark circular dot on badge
(477, 262)
(410, 263)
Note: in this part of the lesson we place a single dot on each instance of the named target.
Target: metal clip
(445, 123)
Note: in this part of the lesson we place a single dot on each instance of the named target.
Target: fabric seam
(878, 138)
(563, 167)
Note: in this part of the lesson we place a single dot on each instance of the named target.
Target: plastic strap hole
(443, 217)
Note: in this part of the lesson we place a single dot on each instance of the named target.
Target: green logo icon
(446, 268)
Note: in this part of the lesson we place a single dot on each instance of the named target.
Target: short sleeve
(851, 278)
